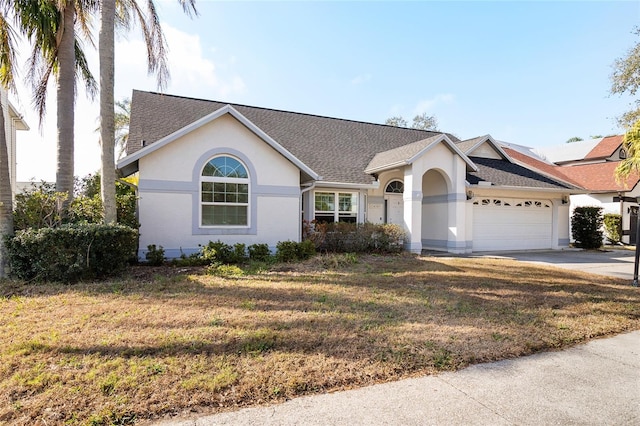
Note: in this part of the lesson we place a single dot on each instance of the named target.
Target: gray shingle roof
(338, 150)
(467, 144)
(501, 172)
(400, 154)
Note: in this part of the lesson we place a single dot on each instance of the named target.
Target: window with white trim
(336, 207)
(224, 193)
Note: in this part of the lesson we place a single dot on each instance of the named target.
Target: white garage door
(511, 224)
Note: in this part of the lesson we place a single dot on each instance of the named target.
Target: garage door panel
(512, 224)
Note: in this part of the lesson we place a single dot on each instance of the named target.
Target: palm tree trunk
(6, 209)
(66, 92)
(106, 50)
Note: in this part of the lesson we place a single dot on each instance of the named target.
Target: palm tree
(50, 27)
(7, 59)
(128, 12)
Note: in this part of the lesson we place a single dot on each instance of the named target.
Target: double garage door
(512, 224)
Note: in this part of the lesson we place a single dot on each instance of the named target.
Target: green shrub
(155, 255)
(71, 252)
(291, 251)
(613, 227)
(259, 252)
(217, 251)
(356, 238)
(41, 206)
(586, 227)
(239, 253)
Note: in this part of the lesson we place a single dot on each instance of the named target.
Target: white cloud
(193, 73)
(360, 79)
(428, 105)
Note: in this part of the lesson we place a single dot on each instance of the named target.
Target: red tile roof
(605, 148)
(600, 176)
(546, 168)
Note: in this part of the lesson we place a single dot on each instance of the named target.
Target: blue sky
(533, 73)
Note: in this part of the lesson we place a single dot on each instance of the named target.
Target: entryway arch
(436, 187)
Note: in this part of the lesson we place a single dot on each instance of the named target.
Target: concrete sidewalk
(593, 384)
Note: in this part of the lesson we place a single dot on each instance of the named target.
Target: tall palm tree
(7, 59)
(125, 12)
(50, 26)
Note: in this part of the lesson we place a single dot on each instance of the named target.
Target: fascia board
(386, 167)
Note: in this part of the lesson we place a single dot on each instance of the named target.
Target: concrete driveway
(616, 263)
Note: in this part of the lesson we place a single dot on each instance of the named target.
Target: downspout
(309, 188)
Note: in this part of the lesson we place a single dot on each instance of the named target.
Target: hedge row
(71, 252)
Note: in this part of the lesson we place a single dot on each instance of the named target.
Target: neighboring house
(591, 165)
(211, 170)
(13, 121)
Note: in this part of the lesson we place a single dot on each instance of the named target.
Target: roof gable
(483, 147)
(605, 148)
(407, 154)
(227, 109)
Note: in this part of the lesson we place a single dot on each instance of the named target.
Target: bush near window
(155, 255)
(259, 252)
(70, 253)
(613, 227)
(355, 237)
(586, 227)
(292, 251)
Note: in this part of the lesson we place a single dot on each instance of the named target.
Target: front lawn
(156, 345)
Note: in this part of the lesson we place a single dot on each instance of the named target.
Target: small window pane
(224, 215)
(325, 201)
(327, 218)
(348, 202)
(207, 192)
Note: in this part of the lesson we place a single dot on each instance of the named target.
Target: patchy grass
(160, 344)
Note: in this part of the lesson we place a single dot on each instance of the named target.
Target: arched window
(224, 193)
(394, 187)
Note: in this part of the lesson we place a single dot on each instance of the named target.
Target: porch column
(457, 220)
(412, 198)
(555, 218)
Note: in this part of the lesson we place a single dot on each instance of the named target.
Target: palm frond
(7, 55)
(631, 143)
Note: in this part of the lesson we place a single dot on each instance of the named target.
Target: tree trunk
(66, 92)
(106, 47)
(6, 208)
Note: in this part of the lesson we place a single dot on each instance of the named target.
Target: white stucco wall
(169, 190)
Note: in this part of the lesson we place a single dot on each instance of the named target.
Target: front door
(395, 209)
